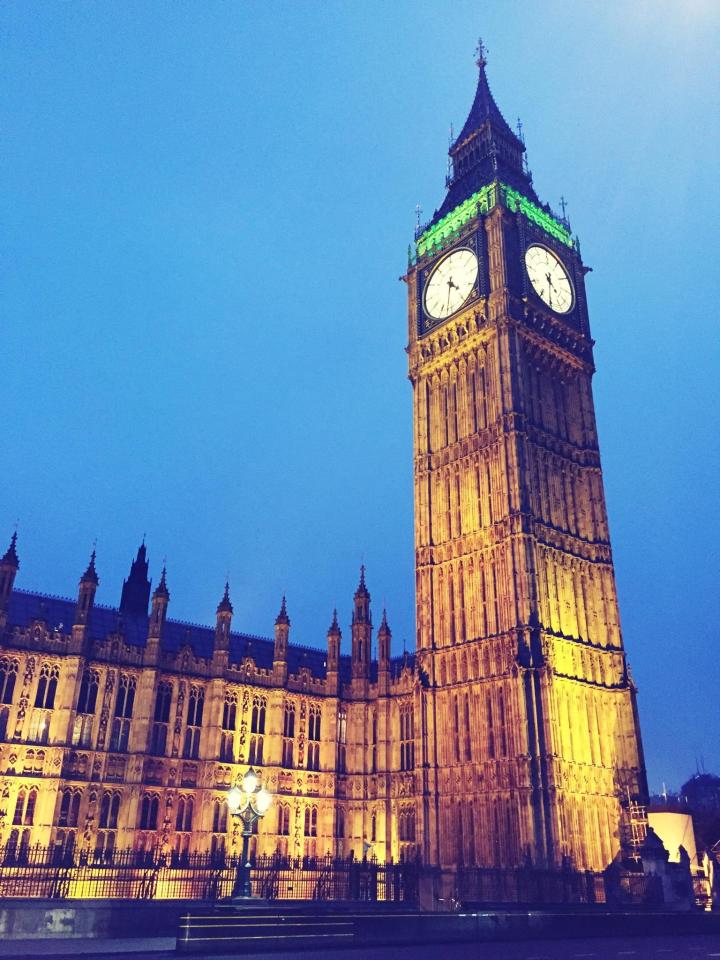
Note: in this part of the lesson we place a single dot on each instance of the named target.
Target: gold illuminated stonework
(510, 737)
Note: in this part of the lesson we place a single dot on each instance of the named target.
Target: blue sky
(207, 209)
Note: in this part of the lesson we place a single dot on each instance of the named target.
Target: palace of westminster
(509, 737)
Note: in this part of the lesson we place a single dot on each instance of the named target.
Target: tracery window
(87, 702)
(229, 723)
(407, 738)
(288, 734)
(69, 810)
(8, 676)
(313, 747)
(341, 740)
(257, 729)
(310, 825)
(284, 820)
(149, 809)
(25, 807)
(47, 686)
(161, 720)
(124, 703)
(196, 702)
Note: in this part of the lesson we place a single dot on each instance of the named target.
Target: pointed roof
(90, 575)
(362, 590)
(161, 591)
(334, 627)
(483, 109)
(486, 149)
(225, 606)
(282, 617)
(10, 556)
(384, 628)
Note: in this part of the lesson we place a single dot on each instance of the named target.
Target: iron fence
(529, 886)
(126, 874)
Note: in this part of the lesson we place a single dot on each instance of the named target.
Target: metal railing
(42, 872)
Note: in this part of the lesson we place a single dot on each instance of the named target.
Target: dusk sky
(207, 207)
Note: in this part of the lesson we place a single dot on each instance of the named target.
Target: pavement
(611, 948)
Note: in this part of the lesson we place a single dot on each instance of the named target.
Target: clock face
(450, 284)
(549, 278)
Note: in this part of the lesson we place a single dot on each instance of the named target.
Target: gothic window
(341, 740)
(288, 734)
(340, 823)
(4, 717)
(313, 747)
(284, 820)
(219, 817)
(109, 810)
(373, 828)
(8, 676)
(82, 730)
(407, 738)
(89, 686)
(47, 686)
(467, 730)
(149, 812)
(314, 723)
(184, 816)
(257, 720)
(502, 731)
(373, 743)
(196, 702)
(229, 723)
(124, 703)
(310, 825)
(163, 699)
(69, 811)
(257, 729)
(490, 730)
(25, 807)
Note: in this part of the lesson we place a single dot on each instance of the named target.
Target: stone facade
(510, 737)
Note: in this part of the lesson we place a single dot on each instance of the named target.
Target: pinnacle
(162, 590)
(334, 626)
(362, 590)
(283, 617)
(225, 606)
(384, 625)
(11, 556)
(90, 575)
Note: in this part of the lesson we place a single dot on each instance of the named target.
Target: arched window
(219, 816)
(183, 819)
(89, 686)
(124, 703)
(340, 823)
(163, 699)
(47, 686)
(8, 676)
(25, 807)
(407, 738)
(149, 812)
(288, 734)
(257, 720)
(196, 702)
(109, 810)
(69, 810)
(310, 821)
(229, 723)
(284, 820)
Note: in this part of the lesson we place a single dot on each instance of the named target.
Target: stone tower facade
(532, 740)
(509, 737)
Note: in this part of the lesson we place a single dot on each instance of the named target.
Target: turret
(136, 589)
(334, 636)
(158, 615)
(361, 631)
(222, 624)
(8, 570)
(86, 598)
(282, 633)
(384, 637)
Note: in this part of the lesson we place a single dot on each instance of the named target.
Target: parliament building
(509, 737)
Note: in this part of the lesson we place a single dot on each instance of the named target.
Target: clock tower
(531, 745)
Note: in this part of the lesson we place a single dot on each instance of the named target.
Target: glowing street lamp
(249, 801)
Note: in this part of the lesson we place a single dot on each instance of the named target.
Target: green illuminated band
(482, 202)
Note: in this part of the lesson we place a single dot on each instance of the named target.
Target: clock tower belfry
(531, 743)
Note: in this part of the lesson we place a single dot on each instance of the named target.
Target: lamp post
(249, 801)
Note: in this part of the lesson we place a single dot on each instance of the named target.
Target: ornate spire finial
(162, 590)
(563, 207)
(283, 617)
(225, 606)
(11, 556)
(384, 625)
(481, 52)
(90, 574)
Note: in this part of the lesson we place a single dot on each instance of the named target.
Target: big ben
(531, 744)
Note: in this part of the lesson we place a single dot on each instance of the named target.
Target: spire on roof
(225, 606)
(384, 628)
(283, 617)
(334, 626)
(10, 557)
(161, 591)
(362, 590)
(486, 148)
(136, 589)
(90, 575)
